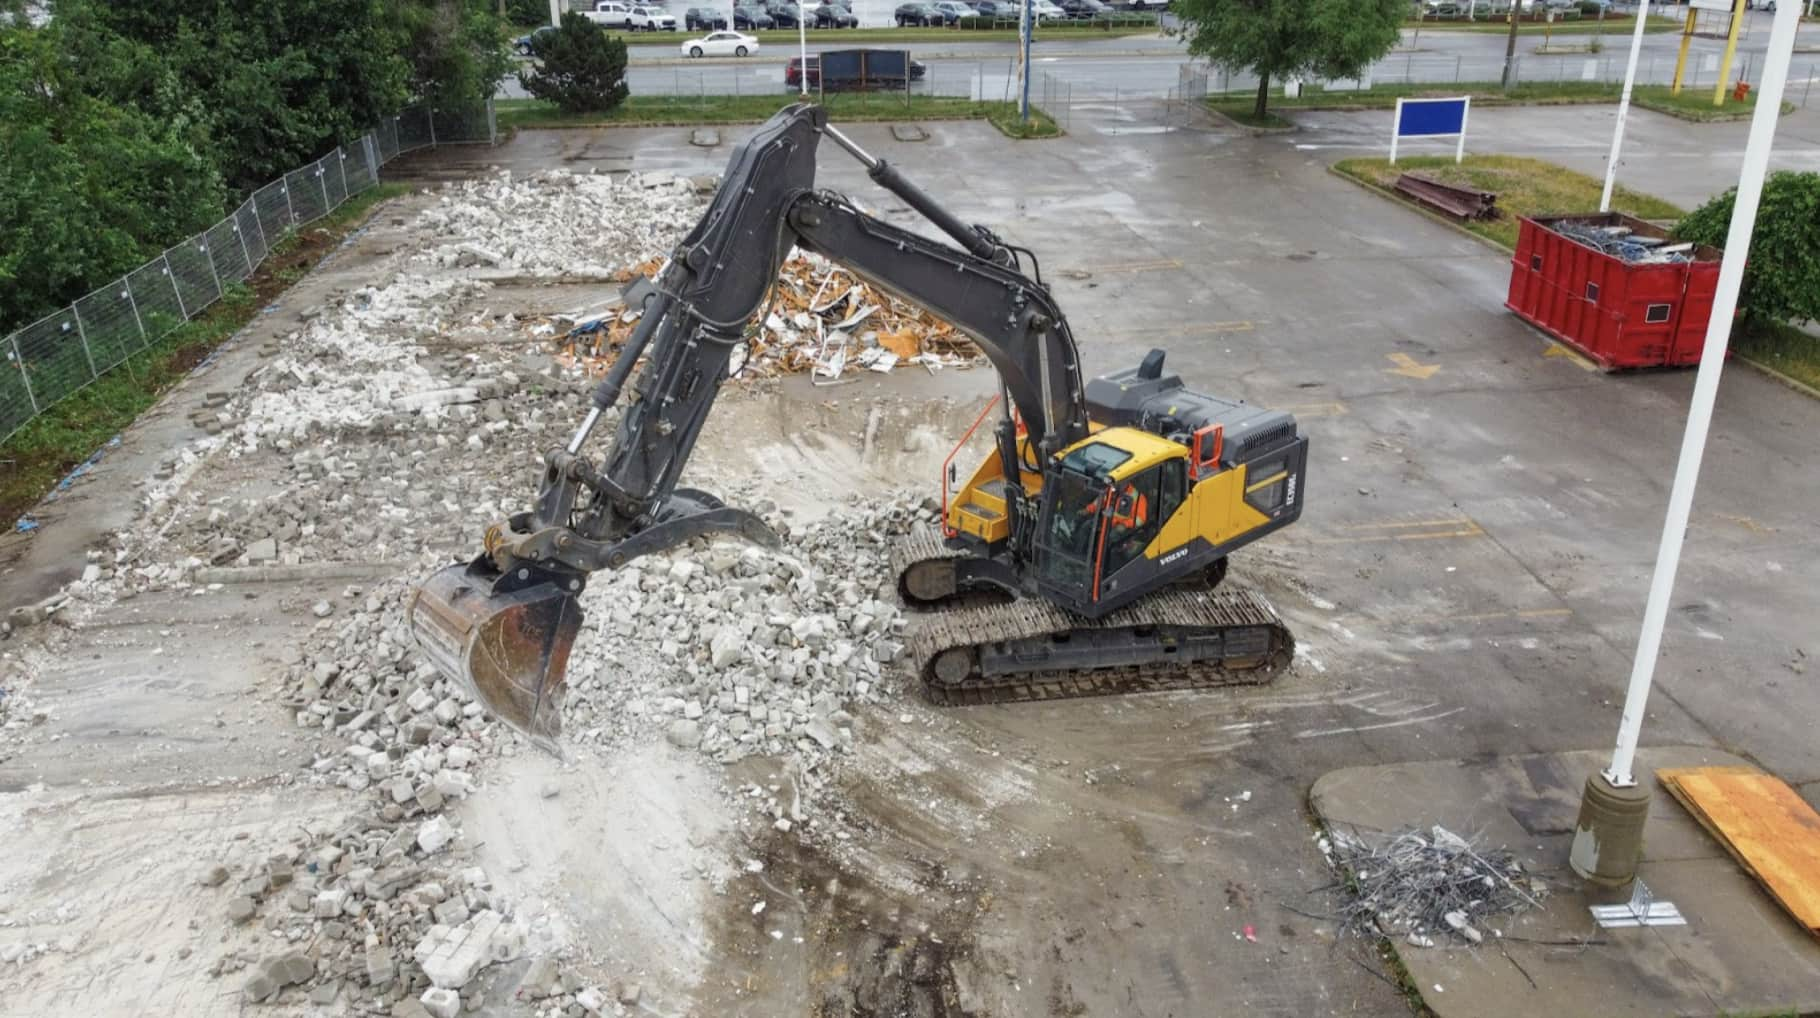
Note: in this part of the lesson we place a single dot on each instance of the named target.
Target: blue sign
(1428, 118)
(1432, 116)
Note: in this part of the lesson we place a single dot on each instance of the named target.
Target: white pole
(1459, 150)
(1023, 61)
(1630, 79)
(1706, 387)
(1396, 125)
(802, 39)
(555, 13)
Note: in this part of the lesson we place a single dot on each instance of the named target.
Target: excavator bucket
(507, 642)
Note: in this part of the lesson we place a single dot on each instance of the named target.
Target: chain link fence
(60, 353)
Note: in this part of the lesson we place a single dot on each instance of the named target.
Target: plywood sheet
(1770, 830)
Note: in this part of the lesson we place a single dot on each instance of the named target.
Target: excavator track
(1028, 649)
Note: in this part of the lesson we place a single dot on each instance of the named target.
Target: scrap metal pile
(1458, 202)
(821, 320)
(1625, 243)
(1420, 885)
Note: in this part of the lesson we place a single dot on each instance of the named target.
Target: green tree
(1782, 276)
(528, 12)
(1278, 39)
(581, 68)
(278, 84)
(456, 49)
(89, 187)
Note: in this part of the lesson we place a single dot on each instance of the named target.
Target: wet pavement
(1466, 582)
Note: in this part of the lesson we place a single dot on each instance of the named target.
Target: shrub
(1782, 277)
(580, 68)
(1591, 8)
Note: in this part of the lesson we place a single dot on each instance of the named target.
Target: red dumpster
(1612, 287)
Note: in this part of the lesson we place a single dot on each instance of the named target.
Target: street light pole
(1510, 47)
(1630, 80)
(1608, 838)
(802, 41)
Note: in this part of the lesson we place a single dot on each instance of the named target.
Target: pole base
(1608, 838)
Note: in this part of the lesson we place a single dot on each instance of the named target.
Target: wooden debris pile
(821, 321)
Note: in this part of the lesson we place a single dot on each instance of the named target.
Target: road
(1149, 66)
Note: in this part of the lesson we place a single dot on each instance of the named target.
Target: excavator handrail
(948, 531)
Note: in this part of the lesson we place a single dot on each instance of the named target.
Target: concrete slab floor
(1738, 954)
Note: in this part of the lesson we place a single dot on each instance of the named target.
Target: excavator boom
(504, 623)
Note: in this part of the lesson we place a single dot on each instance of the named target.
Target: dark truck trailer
(851, 70)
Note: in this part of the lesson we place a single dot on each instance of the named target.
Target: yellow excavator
(1079, 558)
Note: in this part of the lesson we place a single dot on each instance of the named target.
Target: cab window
(1135, 518)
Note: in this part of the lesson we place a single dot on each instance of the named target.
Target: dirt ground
(1140, 856)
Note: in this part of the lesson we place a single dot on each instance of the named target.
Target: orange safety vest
(1140, 508)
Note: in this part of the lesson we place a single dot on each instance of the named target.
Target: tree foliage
(127, 125)
(580, 68)
(1277, 39)
(456, 50)
(1782, 277)
(89, 187)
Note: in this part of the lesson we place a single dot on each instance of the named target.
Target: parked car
(1003, 9)
(524, 43)
(651, 18)
(834, 15)
(917, 13)
(1081, 10)
(720, 44)
(953, 10)
(1045, 10)
(783, 15)
(610, 14)
(855, 69)
(752, 17)
(706, 19)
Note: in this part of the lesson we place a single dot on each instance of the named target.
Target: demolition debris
(1425, 886)
(821, 321)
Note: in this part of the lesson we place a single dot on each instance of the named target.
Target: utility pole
(1510, 48)
(1023, 56)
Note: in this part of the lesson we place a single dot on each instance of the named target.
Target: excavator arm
(503, 624)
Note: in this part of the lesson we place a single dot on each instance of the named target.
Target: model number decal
(1289, 497)
(1172, 556)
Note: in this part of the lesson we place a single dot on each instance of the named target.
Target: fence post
(322, 184)
(245, 252)
(175, 290)
(341, 165)
(284, 185)
(264, 242)
(82, 337)
(432, 119)
(126, 290)
(209, 256)
(23, 374)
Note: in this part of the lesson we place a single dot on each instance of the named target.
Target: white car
(721, 44)
(610, 14)
(1043, 10)
(652, 18)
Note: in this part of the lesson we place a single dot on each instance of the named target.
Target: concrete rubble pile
(736, 649)
(821, 320)
(557, 224)
(371, 446)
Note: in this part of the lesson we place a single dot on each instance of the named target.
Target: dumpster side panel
(1621, 314)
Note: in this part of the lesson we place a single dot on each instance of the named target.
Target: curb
(1256, 132)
